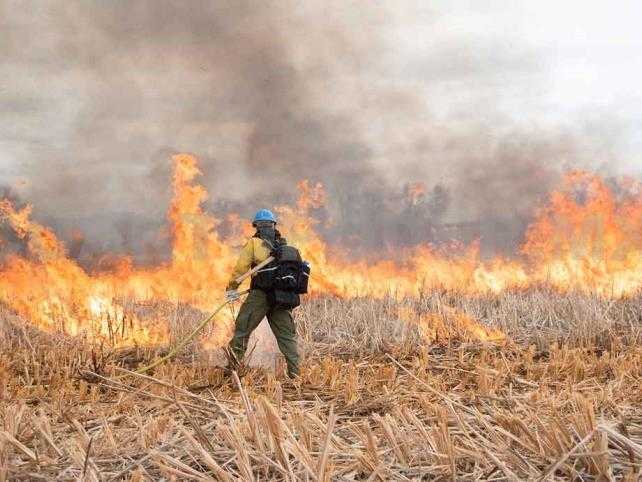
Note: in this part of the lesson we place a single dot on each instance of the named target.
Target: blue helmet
(264, 215)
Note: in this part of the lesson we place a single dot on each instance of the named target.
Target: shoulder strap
(271, 243)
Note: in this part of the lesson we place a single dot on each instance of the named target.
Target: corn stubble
(382, 396)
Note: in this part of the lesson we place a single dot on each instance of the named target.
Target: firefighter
(260, 300)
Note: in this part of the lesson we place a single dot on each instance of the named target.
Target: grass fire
(320, 241)
(449, 366)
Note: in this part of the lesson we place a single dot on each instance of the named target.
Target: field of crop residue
(526, 385)
(426, 362)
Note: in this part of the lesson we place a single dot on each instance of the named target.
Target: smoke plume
(97, 96)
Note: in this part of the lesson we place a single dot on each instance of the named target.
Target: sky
(491, 99)
(586, 58)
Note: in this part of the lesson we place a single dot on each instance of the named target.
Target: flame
(55, 293)
(452, 323)
(415, 193)
(586, 238)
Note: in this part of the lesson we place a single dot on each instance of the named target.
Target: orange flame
(415, 192)
(592, 243)
(451, 324)
(587, 238)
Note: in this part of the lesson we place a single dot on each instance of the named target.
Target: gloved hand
(232, 295)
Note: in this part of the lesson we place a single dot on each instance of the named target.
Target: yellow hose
(181, 344)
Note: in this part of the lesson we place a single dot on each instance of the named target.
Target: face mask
(267, 232)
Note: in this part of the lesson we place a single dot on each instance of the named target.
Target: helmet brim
(254, 223)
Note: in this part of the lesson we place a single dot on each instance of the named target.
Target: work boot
(293, 373)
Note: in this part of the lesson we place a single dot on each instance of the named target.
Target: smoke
(97, 96)
(9, 242)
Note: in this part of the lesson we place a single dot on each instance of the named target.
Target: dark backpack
(292, 273)
(285, 278)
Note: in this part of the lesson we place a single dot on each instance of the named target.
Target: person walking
(262, 298)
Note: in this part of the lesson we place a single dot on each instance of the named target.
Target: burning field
(586, 240)
(419, 364)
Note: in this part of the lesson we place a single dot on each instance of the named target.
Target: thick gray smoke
(97, 96)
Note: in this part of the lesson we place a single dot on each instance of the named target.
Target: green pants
(253, 310)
